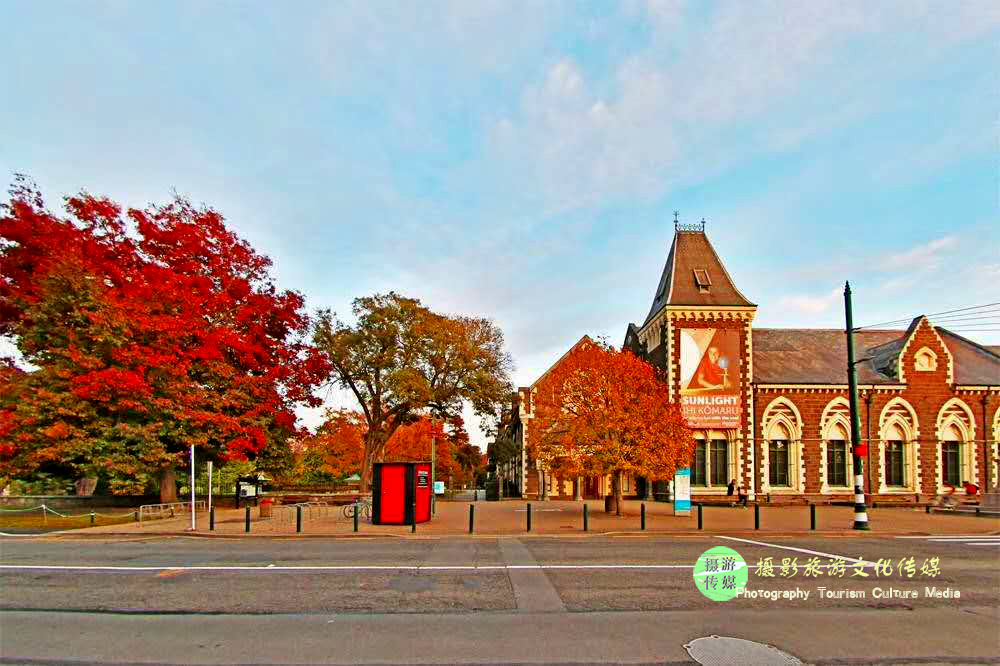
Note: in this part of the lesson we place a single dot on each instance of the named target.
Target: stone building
(770, 406)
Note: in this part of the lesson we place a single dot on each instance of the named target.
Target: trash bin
(265, 508)
(609, 503)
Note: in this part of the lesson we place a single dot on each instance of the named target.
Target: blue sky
(522, 161)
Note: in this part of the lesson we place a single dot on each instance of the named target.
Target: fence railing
(173, 508)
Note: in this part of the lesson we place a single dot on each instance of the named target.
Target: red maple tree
(604, 411)
(144, 332)
(339, 444)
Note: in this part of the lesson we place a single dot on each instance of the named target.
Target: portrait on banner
(710, 377)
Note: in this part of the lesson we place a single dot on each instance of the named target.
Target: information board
(682, 492)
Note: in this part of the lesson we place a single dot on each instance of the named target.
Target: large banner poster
(710, 377)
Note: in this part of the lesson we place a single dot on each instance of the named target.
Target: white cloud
(671, 111)
(923, 258)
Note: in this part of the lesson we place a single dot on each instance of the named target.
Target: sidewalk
(565, 518)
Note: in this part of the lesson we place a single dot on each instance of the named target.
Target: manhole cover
(724, 650)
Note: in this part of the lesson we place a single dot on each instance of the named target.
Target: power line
(989, 314)
(935, 314)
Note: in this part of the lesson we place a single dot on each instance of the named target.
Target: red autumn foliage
(604, 411)
(338, 446)
(148, 331)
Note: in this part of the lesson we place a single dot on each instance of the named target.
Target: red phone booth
(399, 489)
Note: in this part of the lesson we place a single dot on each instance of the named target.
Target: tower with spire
(698, 333)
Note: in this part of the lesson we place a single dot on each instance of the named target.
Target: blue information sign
(682, 492)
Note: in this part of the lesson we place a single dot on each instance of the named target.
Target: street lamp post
(858, 449)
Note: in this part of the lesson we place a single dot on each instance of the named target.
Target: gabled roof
(584, 340)
(816, 356)
(819, 356)
(691, 251)
(975, 364)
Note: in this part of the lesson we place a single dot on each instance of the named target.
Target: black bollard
(701, 517)
(642, 514)
(472, 517)
(248, 519)
(93, 517)
(584, 517)
(812, 517)
(357, 510)
(298, 519)
(756, 516)
(529, 516)
(211, 519)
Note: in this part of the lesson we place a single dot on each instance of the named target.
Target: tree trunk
(85, 486)
(168, 486)
(616, 486)
(374, 444)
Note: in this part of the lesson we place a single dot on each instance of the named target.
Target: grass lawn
(36, 520)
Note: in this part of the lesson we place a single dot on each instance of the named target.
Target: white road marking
(347, 567)
(982, 543)
(801, 550)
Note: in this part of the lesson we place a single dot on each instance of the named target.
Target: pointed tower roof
(694, 274)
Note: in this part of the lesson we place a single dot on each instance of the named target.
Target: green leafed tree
(402, 361)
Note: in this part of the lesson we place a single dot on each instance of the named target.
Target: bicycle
(946, 502)
(363, 507)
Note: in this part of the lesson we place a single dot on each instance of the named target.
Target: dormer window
(702, 280)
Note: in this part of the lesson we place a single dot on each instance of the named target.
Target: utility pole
(858, 448)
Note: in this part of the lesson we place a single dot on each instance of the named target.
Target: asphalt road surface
(628, 599)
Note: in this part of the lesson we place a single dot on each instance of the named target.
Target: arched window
(838, 461)
(956, 429)
(778, 447)
(712, 463)
(894, 460)
(837, 465)
(782, 450)
(898, 456)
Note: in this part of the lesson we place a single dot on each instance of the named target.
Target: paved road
(481, 600)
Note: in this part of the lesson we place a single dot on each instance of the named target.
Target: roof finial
(700, 226)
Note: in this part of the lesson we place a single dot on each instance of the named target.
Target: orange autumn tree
(338, 446)
(604, 411)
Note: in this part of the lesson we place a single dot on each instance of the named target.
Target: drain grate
(725, 650)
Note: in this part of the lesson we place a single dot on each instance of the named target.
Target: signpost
(193, 526)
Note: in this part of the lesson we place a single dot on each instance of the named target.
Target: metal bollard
(472, 517)
(298, 519)
(248, 520)
(927, 509)
(812, 517)
(642, 514)
(357, 510)
(701, 517)
(756, 516)
(584, 517)
(211, 519)
(529, 516)
(93, 517)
